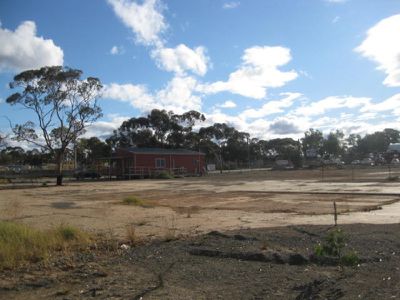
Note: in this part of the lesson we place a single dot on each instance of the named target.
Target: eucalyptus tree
(62, 103)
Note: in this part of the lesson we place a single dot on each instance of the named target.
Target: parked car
(395, 161)
(82, 174)
(355, 162)
(367, 162)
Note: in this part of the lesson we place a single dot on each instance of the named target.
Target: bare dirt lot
(215, 202)
(258, 220)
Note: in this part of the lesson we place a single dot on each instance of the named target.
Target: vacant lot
(207, 239)
(226, 201)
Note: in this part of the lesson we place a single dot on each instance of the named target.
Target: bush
(350, 259)
(333, 246)
(164, 175)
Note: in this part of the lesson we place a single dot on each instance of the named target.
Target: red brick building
(144, 162)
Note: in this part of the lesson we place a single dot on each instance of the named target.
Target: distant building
(143, 162)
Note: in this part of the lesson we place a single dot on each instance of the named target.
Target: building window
(160, 163)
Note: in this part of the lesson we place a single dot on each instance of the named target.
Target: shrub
(350, 259)
(333, 246)
(164, 175)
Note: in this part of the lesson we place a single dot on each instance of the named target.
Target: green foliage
(62, 103)
(333, 246)
(164, 175)
(68, 233)
(20, 244)
(350, 259)
(132, 200)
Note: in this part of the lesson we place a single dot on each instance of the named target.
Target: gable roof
(163, 151)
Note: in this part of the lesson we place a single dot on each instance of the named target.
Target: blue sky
(269, 67)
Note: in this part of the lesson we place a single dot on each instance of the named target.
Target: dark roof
(161, 151)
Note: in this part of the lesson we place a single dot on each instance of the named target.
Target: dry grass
(131, 235)
(21, 244)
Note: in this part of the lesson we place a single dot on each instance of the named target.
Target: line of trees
(223, 144)
(64, 104)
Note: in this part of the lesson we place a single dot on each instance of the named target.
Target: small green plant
(164, 175)
(350, 259)
(132, 200)
(68, 233)
(333, 246)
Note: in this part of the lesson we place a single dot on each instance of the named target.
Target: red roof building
(147, 162)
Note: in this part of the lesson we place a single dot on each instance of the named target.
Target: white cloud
(258, 72)
(390, 104)
(181, 59)
(178, 95)
(115, 50)
(22, 49)
(145, 20)
(136, 95)
(284, 126)
(331, 102)
(227, 104)
(382, 45)
(271, 107)
(231, 5)
(103, 129)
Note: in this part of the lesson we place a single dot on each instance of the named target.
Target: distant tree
(375, 142)
(158, 129)
(286, 148)
(313, 140)
(63, 104)
(88, 150)
(333, 144)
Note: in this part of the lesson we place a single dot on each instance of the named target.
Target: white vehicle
(368, 162)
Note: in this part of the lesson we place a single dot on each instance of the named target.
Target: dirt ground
(237, 235)
(268, 263)
(188, 206)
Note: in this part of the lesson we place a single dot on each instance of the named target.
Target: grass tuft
(132, 200)
(22, 244)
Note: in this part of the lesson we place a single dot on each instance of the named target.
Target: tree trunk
(60, 158)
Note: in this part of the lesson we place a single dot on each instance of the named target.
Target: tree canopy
(63, 105)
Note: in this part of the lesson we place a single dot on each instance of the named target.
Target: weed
(68, 233)
(350, 259)
(132, 200)
(20, 243)
(131, 235)
(333, 246)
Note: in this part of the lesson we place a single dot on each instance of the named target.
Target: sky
(273, 68)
